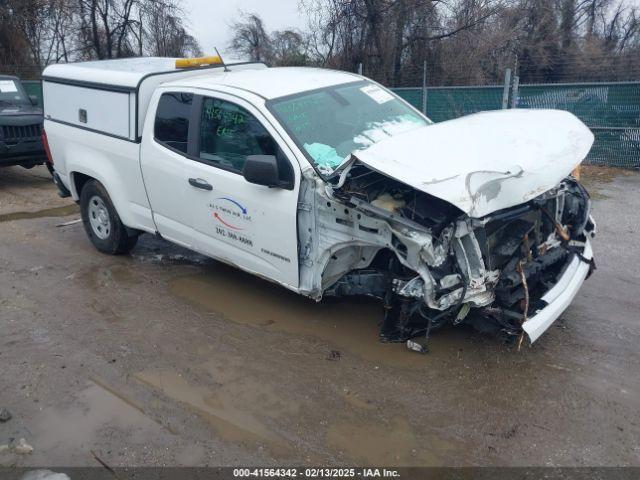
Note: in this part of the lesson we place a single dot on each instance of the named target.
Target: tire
(101, 221)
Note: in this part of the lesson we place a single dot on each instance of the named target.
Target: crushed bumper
(560, 296)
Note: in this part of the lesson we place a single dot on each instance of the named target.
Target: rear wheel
(101, 221)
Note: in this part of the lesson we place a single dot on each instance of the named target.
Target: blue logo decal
(244, 210)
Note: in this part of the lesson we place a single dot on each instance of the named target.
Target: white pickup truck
(329, 184)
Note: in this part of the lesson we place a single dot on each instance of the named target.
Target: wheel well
(79, 179)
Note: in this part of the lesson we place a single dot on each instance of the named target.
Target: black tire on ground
(101, 221)
(49, 167)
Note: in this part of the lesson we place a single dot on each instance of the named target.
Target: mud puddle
(250, 412)
(237, 403)
(233, 409)
(64, 435)
(49, 212)
(350, 324)
(247, 410)
(372, 442)
(115, 276)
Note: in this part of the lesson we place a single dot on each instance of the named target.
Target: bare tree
(251, 38)
(44, 25)
(14, 48)
(473, 41)
(289, 47)
(163, 32)
(462, 41)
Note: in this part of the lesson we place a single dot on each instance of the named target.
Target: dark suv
(20, 126)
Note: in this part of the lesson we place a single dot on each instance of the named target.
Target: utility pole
(360, 68)
(424, 87)
(505, 91)
(514, 91)
(516, 83)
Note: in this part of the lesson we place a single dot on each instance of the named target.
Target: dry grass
(594, 177)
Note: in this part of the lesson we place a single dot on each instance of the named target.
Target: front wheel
(101, 221)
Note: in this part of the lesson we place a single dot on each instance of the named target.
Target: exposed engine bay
(430, 263)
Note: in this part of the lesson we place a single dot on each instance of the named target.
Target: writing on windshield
(331, 123)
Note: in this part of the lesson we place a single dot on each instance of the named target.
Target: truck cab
(329, 184)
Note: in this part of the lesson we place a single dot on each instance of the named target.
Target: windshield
(331, 123)
(11, 93)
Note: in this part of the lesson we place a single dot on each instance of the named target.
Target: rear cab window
(172, 120)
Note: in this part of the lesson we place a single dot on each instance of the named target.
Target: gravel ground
(164, 357)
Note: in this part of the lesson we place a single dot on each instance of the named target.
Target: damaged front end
(432, 264)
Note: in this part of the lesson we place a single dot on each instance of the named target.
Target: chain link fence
(610, 110)
(34, 87)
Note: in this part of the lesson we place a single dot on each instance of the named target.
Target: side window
(172, 120)
(229, 133)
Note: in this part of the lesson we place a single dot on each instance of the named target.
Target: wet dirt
(228, 408)
(349, 324)
(79, 424)
(165, 357)
(30, 190)
(360, 440)
(47, 212)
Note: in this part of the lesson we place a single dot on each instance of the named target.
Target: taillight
(45, 144)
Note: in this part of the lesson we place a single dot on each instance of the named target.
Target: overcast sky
(210, 19)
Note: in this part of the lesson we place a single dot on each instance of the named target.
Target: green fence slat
(33, 87)
(611, 110)
(411, 95)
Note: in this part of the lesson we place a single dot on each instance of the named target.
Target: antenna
(226, 69)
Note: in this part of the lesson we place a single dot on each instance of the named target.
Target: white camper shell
(330, 185)
(111, 97)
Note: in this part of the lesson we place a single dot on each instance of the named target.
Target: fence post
(424, 87)
(360, 68)
(505, 92)
(514, 91)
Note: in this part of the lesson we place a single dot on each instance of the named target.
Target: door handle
(200, 183)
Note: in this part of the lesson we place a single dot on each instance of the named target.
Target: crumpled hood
(486, 161)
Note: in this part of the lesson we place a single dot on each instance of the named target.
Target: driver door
(248, 225)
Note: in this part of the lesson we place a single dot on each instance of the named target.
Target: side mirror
(34, 100)
(262, 170)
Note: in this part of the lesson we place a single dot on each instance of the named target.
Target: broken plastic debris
(22, 447)
(418, 344)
